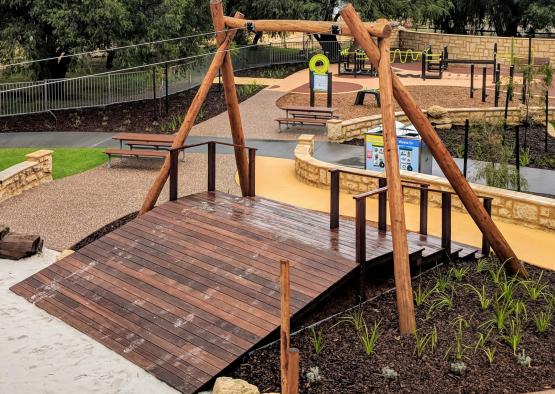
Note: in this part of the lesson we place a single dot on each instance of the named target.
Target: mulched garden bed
(345, 367)
(532, 144)
(137, 117)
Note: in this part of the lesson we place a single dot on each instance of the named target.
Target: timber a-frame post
(401, 265)
(188, 121)
(232, 102)
(440, 153)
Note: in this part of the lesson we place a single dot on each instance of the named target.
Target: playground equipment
(355, 63)
(390, 85)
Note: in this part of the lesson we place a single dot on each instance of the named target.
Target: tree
(37, 29)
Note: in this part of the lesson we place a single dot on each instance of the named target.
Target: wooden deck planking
(186, 289)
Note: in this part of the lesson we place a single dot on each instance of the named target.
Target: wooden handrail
(174, 167)
(370, 193)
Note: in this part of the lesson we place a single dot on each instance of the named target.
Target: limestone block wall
(36, 170)
(514, 207)
(345, 130)
(476, 47)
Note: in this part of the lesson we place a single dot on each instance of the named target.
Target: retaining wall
(345, 130)
(509, 206)
(36, 170)
(476, 47)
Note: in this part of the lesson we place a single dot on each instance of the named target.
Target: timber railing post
(284, 329)
(252, 172)
(211, 166)
(174, 168)
(293, 371)
(382, 206)
(485, 242)
(334, 198)
(446, 221)
(360, 243)
(484, 76)
(424, 209)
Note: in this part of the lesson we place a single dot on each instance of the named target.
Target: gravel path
(67, 210)
(41, 354)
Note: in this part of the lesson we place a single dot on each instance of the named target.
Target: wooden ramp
(188, 288)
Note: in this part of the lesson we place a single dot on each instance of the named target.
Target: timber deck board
(188, 288)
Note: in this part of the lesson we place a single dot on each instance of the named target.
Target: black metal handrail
(381, 191)
(174, 168)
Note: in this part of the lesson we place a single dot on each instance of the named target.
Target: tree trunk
(17, 246)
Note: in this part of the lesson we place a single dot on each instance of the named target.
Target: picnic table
(301, 115)
(152, 145)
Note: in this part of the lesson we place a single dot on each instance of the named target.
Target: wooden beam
(403, 287)
(284, 329)
(188, 122)
(438, 149)
(232, 102)
(380, 28)
(293, 371)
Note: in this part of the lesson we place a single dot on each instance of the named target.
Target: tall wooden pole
(403, 288)
(438, 149)
(217, 11)
(188, 122)
(284, 330)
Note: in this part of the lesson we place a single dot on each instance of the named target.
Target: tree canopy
(37, 29)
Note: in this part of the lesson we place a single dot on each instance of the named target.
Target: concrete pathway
(42, 354)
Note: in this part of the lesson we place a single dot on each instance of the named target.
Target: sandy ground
(67, 210)
(41, 354)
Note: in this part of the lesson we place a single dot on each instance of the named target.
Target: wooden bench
(155, 145)
(299, 115)
(134, 153)
(362, 93)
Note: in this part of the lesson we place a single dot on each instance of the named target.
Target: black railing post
(252, 172)
(360, 243)
(211, 166)
(485, 241)
(424, 60)
(497, 86)
(446, 221)
(472, 81)
(382, 206)
(546, 120)
(154, 92)
(167, 79)
(174, 161)
(424, 209)
(465, 158)
(484, 76)
(334, 198)
(517, 156)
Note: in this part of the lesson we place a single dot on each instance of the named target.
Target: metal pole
(154, 91)
(167, 88)
(497, 84)
(465, 162)
(517, 154)
(472, 81)
(546, 119)
(484, 75)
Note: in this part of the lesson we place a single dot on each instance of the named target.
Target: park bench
(300, 115)
(153, 146)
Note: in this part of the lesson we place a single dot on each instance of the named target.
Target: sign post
(320, 78)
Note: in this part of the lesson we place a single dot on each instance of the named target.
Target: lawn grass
(66, 161)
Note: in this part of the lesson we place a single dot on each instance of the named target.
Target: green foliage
(356, 319)
(443, 300)
(422, 342)
(247, 90)
(65, 161)
(514, 335)
(535, 288)
(542, 320)
(420, 296)
(482, 265)
(482, 295)
(458, 349)
(317, 339)
(490, 353)
(172, 125)
(369, 338)
(459, 272)
(442, 282)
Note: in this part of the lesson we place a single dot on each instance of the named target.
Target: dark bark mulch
(104, 230)
(344, 367)
(137, 117)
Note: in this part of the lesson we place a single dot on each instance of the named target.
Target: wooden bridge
(186, 289)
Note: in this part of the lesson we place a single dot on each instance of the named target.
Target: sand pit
(41, 354)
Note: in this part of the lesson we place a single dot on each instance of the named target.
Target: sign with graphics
(409, 153)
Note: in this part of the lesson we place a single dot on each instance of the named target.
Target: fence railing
(146, 82)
